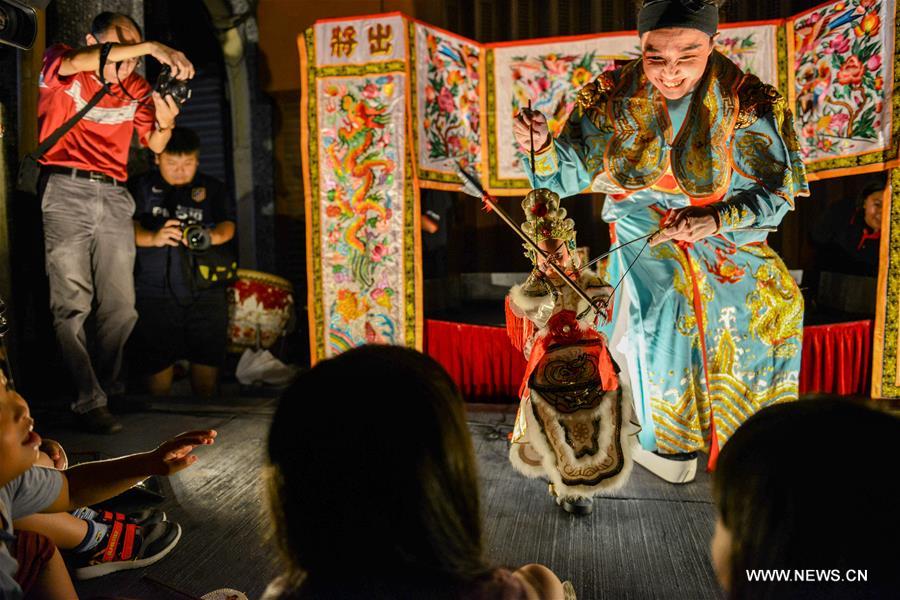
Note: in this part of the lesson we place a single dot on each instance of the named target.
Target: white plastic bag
(259, 366)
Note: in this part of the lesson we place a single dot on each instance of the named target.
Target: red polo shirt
(100, 140)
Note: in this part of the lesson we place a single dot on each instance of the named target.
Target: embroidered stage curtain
(390, 104)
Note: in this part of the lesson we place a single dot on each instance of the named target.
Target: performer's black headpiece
(689, 14)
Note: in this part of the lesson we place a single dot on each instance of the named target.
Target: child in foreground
(30, 562)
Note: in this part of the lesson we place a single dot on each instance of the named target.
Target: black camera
(167, 85)
(196, 237)
(18, 22)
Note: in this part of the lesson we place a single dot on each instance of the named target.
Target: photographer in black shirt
(180, 213)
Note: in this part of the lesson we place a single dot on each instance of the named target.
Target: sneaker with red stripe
(128, 546)
(141, 518)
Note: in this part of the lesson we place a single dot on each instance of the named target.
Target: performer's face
(557, 251)
(720, 550)
(674, 59)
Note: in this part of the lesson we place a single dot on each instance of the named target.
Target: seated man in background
(849, 232)
(182, 218)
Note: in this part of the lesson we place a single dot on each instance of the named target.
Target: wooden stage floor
(649, 540)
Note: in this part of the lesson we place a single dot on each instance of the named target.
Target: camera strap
(104, 56)
(63, 129)
(187, 268)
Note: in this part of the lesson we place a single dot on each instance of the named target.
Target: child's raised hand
(54, 451)
(174, 455)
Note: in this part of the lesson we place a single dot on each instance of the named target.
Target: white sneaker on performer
(668, 469)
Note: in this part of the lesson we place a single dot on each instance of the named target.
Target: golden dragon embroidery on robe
(635, 157)
(775, 308)
(591, 104)
(683, 283)
(700, 158)
(774, 163)
(640, 152)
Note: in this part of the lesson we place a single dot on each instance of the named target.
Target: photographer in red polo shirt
(87, 210)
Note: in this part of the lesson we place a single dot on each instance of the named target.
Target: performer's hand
(688, 224)
(600, 296)
(537, 122)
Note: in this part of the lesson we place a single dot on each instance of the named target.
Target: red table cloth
(483, 363)
(837, 358)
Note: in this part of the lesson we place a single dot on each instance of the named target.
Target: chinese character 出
(380, 39)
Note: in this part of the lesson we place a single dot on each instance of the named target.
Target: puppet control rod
(473, 186)
(598, 304)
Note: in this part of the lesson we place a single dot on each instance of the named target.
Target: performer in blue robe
(707, 323)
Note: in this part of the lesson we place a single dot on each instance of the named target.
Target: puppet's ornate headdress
(545, 219)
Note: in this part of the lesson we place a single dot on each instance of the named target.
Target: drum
(260, 306)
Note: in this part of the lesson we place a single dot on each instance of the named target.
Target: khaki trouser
(89, 241)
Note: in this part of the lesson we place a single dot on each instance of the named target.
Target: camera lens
(197, 238)
(5, 19)
(18, 24)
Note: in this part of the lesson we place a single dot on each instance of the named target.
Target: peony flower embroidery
(809, 131)
(445, 100)
(379, 252)
(851, 72)
(840, 44)
(839, 121)
(580, 77)
(370, 91)
(455, 77)
(349, 307)
(874, 63)
(555, 65)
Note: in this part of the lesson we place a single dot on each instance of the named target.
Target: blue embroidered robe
(706, 333)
